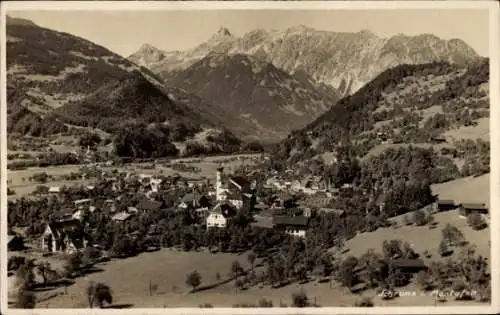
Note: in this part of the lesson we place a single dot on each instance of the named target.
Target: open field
(420, 237)
(208, 166)
(481, 131)
(130, 278)
(468, 189)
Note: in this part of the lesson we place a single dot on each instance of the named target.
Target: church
(235, 190)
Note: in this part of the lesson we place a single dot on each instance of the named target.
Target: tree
(364, 302)
(193, 279)
(444, 249)
(72, 264)
(265, 303)
(419, 218)
(476, 221)
(99, 294)
(392, 248)
(346, 273)
(406, 220)
(45, 270)
(25, 274)
(240, 284)
(408, 251)
(90, 140)
(236, 269)
(25, 299)
(424, 280)
(300, 299)
(251, 258)
(371, 261)
(301, 272)
(452, 235)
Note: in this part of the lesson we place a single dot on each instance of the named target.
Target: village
(126, 195)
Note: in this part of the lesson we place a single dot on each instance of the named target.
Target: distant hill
(55, 80)
(253, 97)
(405, 104)
(345, 61)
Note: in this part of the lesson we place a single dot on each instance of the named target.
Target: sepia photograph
(204, 155)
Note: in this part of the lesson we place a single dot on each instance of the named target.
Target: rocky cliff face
(253, 96)
(345, 61)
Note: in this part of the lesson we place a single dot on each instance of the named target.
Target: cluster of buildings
(215, 205)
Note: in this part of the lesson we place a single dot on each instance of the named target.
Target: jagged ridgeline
(344, 61)
(410, 103)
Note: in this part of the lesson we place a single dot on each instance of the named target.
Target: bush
(392, 248)
(424, 281)
(419, 218)
(364, 302)
(25, 299)
(15, 262)
(406, 220)
(476, 221)
(193, 279)
(444, 249)
(300, 299)
(453, 236)
(265, 303)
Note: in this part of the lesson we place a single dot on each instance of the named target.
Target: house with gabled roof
(293, 225)
(64, 236)
(219, 215)
(466, 209)
(146, 205)
(193, 201)
(121, 216)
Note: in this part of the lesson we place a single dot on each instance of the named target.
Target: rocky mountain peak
(148, 48)
(222, 32)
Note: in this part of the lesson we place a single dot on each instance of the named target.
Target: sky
(124, 32)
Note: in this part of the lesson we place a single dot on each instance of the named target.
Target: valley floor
(130, 279)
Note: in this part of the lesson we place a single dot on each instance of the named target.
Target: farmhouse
(468, 208)
(293, 225)
(408, 265)
(445, 205)
(63, 236)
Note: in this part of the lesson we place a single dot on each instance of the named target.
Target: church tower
(218, 184)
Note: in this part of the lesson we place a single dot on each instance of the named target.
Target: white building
(216, 220)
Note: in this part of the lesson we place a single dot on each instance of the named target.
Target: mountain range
(345, 61)
(56, 80)
(252, 95)
(262, 85)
